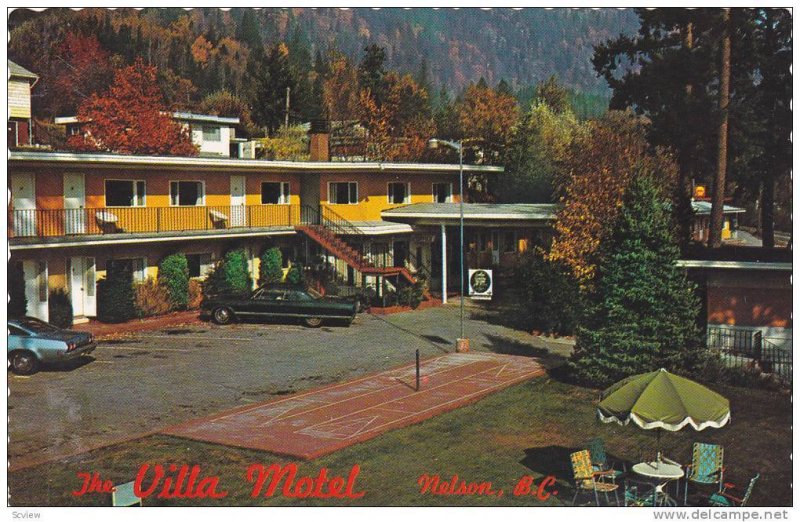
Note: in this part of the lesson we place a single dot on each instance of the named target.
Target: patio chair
(706, 467)
(600, 460)
(640, 494)
(124, 496)
(724, 498)
(587, 480)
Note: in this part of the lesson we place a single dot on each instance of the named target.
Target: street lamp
(462, 343)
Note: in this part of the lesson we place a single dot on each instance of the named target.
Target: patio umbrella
(663, 400)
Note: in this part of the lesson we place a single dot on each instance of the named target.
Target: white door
(83, 283)
(74, 203)
(23, 201)
(238, 210)
(36, 288)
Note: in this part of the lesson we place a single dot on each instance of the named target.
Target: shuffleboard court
(314, 423)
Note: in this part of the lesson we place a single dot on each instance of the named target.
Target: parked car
(32, 342)
(280, 301)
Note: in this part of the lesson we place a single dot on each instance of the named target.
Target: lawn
(526, 430)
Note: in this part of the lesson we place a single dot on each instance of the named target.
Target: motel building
(383, 225)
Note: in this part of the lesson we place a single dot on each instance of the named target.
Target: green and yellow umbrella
(662, 400)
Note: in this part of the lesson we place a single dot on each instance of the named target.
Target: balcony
(109, 223)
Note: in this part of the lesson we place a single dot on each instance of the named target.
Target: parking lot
(141, 383)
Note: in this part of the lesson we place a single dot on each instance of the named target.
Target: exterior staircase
(324, 227)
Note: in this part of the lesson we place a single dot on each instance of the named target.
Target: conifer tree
(643, 311)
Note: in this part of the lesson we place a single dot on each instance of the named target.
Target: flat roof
(704, 207)
(476, 211)
(191, 116)
(19, 158)
(734, 265)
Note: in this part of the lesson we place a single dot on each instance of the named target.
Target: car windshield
(35, 325)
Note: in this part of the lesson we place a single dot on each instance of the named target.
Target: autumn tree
(83, 68)
(536, 154)
(226, 104)
(487, 115)
(340, 92)
(129, 118)
(600, 165)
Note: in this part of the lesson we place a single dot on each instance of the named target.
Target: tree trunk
(718, 201)
(768, 212)
(683, 207)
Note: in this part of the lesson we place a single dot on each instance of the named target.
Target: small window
(124, 193)
(199, 264)
(211, 133)
(137, 267)
(399, 193)
(187, 193)
(442, 192)
(343, 193)
(275, 193)
(295, 295)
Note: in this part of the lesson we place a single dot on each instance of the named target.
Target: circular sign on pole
(480, 284)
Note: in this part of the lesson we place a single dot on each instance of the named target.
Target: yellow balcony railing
(131, 220)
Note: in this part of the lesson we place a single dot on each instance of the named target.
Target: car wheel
(223, 315)
(313, 322)
(24, 363)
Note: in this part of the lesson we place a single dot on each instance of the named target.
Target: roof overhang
(734, 265)
(51, 159)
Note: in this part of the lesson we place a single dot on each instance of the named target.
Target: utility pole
(718, 201)
(286, 119)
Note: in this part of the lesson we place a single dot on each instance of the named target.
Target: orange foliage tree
(130, 118)
(487, 115)
(600, 167)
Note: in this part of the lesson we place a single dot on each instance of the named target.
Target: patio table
(662, 471)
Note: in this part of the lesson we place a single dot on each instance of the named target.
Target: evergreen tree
(116, 299)
(271, 268)
(271, 81)
(248, 30)
(371, 72)
(553, 94)
(643, 311)
(173, 274)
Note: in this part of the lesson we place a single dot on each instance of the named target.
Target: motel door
(23, 200)
(74, 203)
(238, 209)
(36, 289)
(82, 286)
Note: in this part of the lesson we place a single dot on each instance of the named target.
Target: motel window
(186, 193)
(137, 266)
(199, 264)
(442, 192)
(125, 193)
(275, 193)
(399, 192)
(343, 193)
(211, 133)
(509, 242)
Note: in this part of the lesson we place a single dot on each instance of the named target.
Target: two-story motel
(72, 215)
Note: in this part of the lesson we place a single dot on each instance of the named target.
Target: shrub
(551, 298)
(412, 295)
(195, 294)
(228, 276)
(152, 298)
(237, 276)
(60, 308)
(271, 268)
(116, 301)
(173, 274)
(17, 302)
(294, 275)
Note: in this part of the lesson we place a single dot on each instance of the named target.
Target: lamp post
(462, 345)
